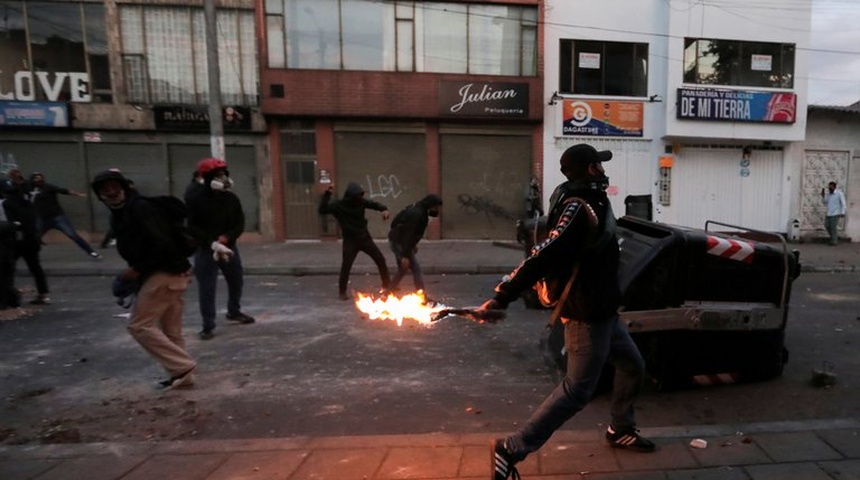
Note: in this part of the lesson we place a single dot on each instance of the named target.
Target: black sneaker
(501, 462)
(240, 317)
(206, 334)
(343, 296)
(177, 381)
(629, 439)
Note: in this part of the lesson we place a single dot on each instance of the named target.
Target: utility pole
(216, 123)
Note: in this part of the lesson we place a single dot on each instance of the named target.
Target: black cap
(112, 174)
(583, 154)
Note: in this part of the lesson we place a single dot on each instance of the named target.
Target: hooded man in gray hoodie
(407, 229)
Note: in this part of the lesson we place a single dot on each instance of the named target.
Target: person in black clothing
(577, 266)
(407, 229)
(51, 214)
(349, 213)
(9, 230)
(145, 239)
(19, 210)
(216, 219)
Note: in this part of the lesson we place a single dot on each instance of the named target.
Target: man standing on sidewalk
(216, 219)
(834, 199)
(146, 240)
(578, 265)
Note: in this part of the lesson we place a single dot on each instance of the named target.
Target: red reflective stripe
(731, 249)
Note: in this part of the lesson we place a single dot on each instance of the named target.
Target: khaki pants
(156, 320)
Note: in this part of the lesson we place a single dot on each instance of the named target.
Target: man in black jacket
(51, 214)
(146, 241)
(349, 213)
(216, 219)
(20, 210)
(578, 263)
(407, 229)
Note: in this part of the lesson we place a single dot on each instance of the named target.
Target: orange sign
(602, 118)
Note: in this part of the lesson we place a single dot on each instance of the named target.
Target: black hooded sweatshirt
(214, 213)
(349, 211)
(408, 226)
(144, 237)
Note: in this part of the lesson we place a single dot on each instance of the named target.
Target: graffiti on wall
(478, 205)
(384, 186)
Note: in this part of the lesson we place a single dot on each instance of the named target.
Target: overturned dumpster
(703, 305)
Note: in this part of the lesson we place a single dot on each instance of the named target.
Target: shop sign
(34, 114)
(480, 99)
(602, 118)
(196, 118)
(736, 105)
(51, 84)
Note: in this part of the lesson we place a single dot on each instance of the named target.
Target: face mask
(221, 183)
(113, 197)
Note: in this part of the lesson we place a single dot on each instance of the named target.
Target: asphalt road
(312, 365)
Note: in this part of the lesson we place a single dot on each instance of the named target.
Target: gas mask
(221, 182)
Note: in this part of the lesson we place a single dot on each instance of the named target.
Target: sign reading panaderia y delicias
(736, 105)
(196, 118)
(479, 99)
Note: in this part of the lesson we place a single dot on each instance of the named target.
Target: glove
(220, 252)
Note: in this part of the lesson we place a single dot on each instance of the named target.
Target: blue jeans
(206, 272)
(589, 347)
(414, 266)
(63, 224)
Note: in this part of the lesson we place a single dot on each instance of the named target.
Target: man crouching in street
(145, 240)
(578, 266)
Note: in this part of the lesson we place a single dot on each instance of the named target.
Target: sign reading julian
(602, 118)
(736, 105)
(479, 99)
(196, 117)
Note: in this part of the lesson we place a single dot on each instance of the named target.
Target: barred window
(164, 55)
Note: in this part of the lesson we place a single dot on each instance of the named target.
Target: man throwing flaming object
(577, 266)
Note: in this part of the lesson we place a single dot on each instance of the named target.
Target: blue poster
(34, 114)
(736, 105)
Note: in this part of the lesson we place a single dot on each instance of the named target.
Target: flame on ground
(392, 307)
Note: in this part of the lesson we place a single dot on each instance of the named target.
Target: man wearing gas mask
(216, 219)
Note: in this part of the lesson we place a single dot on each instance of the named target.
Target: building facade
(404, 98)
(703, 105)
(830, 152)
(86, 86)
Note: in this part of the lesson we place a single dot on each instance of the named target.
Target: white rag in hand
(220, 252)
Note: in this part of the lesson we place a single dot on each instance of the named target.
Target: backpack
(176, 213)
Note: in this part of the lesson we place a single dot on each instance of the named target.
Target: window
(402, 35)
(738, 63)
(53, 51)
(603, 68)
(164, 55)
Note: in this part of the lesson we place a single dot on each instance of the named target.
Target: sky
(834, 59)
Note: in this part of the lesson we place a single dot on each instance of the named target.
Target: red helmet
(208, 164)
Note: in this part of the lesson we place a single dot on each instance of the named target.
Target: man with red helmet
(216, 219)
